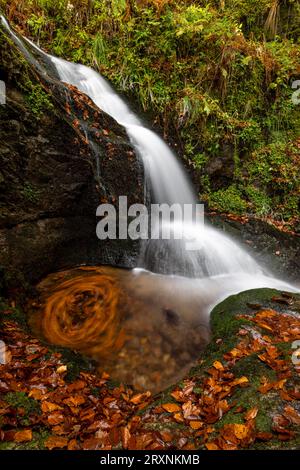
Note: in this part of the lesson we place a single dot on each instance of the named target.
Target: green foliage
(228, 200)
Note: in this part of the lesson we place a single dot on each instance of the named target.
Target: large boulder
(60, 157)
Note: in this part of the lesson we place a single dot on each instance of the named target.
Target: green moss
(21, 400)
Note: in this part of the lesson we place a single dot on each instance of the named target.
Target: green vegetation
(216, 76)
(38, 100)
(30, 193)
(21, 401)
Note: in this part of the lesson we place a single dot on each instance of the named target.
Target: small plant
(38, 100)
(30, 193)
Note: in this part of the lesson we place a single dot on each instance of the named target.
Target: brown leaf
(125, 433)
(264, 436)
(73, 445)
(251, 414)
(239, 381)
(178, 395)
(93, 443)
(74, 400)
(55, 418)
(178, 417)
(292, 415)
(139, 397)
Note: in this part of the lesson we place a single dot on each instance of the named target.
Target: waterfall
(219, 254)
(169, 184)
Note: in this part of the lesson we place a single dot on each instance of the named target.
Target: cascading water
(169, 184)
(218, 254)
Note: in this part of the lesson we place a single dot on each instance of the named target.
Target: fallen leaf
(55, 442)
(23, 436)
(171, 407)
(251, 414)
(218, 365)
(240, 431)
(196, 424)
(47, 406)
(211, 446)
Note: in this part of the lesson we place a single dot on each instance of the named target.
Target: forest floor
(244, 392)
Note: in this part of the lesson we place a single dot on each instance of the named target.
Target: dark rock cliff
(60, 157)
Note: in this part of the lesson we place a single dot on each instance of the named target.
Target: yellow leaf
(61, 369)
(239, 381)
(218, 365)
(240, 431)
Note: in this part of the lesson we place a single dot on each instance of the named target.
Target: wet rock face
(55, 169)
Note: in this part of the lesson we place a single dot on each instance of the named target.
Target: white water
(169, 184)
(219, 255)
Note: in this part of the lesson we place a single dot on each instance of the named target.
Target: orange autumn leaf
(36, 393)
(178, 417)
(47, 407)
(166, 436)
(196, 424)
(23, 436)
(178, 395)
(73, 445)
(211, 446)
(75, 400)
(55, 418)
(140, 397)
(55, 442)
(171, 407)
